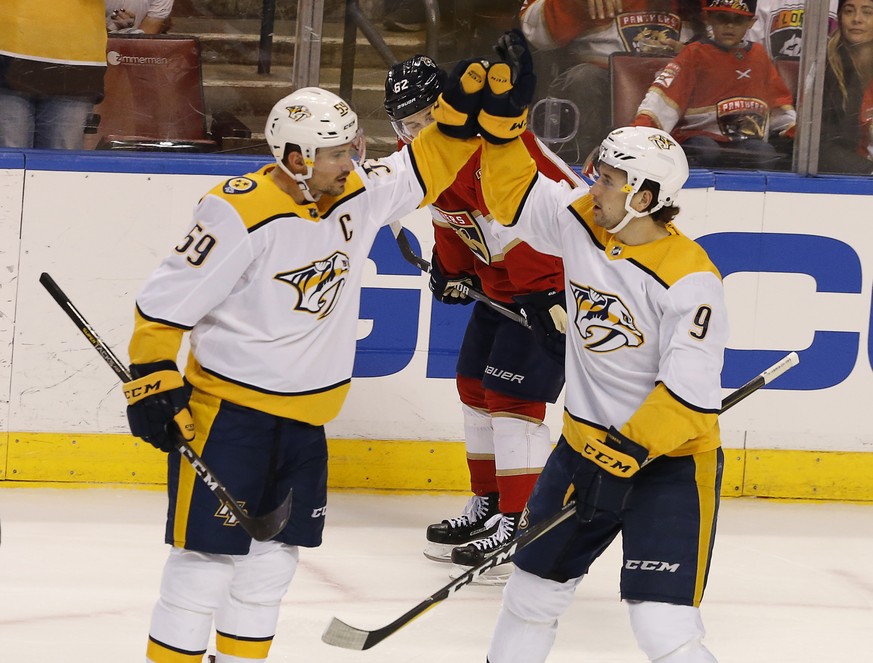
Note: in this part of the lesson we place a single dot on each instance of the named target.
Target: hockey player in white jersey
(640, 451)
(267, 281)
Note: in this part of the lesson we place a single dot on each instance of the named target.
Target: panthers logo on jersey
(604, 321)
(320, 284)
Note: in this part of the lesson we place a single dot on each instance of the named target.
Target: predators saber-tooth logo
(320, 284)
(604, 321)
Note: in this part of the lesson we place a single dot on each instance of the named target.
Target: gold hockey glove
(508, 91)
(456, 108)
(157, 404)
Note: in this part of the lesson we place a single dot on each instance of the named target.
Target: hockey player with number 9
(640, 451)
(268, 284)
(505, 373)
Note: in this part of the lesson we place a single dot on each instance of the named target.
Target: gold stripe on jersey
(204, 409)
(315, 408)
(508, 173)
(154, 340)
(435, 160)
(667, 260)
(577, 431)
(234, 645)
(706, 476)
(161, 653)
(258, 200)
(665, 425)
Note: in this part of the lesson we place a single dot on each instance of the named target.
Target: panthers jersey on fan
(278, 283)
(647, 323)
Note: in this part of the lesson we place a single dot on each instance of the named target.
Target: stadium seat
(154, 99)
(630, 76)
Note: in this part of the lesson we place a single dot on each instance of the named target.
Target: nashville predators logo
(319, 285)
(298, 113)
(662, 142)
(604, 321)
(226, 514)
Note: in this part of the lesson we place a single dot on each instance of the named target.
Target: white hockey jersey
(270, 289)
(648, 323)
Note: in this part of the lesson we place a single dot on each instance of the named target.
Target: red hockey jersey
(468, 242)
(724, 94)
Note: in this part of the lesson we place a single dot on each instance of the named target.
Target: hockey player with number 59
(268, 284)
(640, 451)
(505, 373)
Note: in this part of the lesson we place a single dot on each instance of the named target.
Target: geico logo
(829, 344)
(503, 375)
(650, 565)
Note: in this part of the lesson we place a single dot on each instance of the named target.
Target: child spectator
(580, 36)
(722, 94)
(847, 112)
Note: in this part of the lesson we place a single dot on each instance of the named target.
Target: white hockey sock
(520, 446)
(528, 619)
(193, 585)
(246, 622)
(669, 633)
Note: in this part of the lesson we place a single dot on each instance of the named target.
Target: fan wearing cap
(722, 97)
(640, 450)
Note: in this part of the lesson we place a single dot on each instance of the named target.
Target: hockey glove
(604, 483)
(450, 290)
(509, 90)
(157, 404)
(456, 108)
(546, 313)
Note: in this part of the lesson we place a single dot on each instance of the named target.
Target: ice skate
(472, 524)
(465, 557)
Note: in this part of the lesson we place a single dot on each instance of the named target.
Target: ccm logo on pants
(649, 565)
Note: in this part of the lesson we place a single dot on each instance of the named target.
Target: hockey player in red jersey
(722, 94)
(505, 375)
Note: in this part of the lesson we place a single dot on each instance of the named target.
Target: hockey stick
(414, 259)
(340, 634)
(262, 528)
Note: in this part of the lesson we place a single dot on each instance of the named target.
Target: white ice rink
(79, 571)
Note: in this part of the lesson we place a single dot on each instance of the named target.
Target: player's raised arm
(440, 151)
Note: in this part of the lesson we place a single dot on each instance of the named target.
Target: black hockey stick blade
(340, 634)
(414, 259)
(261, 528)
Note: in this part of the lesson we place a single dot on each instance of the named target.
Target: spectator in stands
(150, 17)
(51, 75)
(779, 26)
(847, 113)
(582, 35)
(722, 95)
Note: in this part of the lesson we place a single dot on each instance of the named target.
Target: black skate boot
(474, 553)
(443, 537)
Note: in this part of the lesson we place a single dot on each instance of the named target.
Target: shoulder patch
(239, 185)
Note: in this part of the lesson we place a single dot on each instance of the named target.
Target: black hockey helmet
(412, 86)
